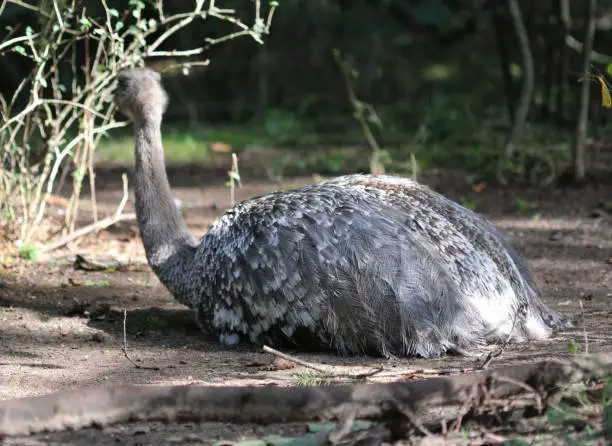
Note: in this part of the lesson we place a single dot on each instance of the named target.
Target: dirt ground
(62, 327)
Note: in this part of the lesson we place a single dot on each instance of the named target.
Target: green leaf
(137, 4)
(29, 31)
(274, 3)
(19, 49)
(113, 12)
(85, 23)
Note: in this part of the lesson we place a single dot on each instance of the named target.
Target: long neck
(168, 243)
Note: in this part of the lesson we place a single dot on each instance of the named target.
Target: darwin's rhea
(359, 264)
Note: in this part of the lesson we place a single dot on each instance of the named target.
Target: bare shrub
(50, 125)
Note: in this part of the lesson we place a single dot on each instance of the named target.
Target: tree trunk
(583, 117)
(552, 66)
(563, 75)
(504, 59)
(528, 78)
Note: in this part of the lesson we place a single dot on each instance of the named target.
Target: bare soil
(62, 326)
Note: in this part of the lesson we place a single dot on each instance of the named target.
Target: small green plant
(364, 113)
(573, 347)
(522, 206)
(468, 203)
(234, 177)
(29, 252)
(578, 406)
(311, 378)
(97, 283)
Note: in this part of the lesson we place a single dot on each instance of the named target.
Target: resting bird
(361, 264)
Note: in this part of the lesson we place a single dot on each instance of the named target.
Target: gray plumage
(360, 264)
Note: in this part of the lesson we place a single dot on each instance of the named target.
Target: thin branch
(230, 19)
(319, 369)
(269, 20)
(212, 42)
(30, 7)
(174, 28)
(502, 347)
(61, 155)
(58, 15)
(101, 224)
(125, 347)
(37, 102)
(526, 387)
(578, 46)
(287, 357)
(199, 63)
(124, 198)
(97, 226)
(175, 53)
(584, 330)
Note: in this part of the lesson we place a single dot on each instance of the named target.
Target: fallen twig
(494, 354)
(98, 225)
(80, 408)
(294, 359)
(584, 330)
(467, 406)
(125, 347)
(538, 398)
(319, 369)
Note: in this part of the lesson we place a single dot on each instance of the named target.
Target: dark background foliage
(440, 72)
